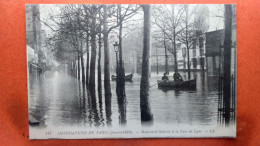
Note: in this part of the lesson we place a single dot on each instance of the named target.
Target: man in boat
(177, 77)
(165, 78)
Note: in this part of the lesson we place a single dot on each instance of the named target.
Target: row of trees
(84, 30)
(179, 25)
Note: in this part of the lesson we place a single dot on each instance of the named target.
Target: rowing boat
(127, 77)
(191, 84)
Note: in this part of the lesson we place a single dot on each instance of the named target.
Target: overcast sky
(215, 10)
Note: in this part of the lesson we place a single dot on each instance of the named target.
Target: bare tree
(146, 114)
(124, 14)
(70, 30)
(110, 21)
(108, 12)
(192, 29)
(188, 35)
(99, 55)
(86, 28)
(93, 11)
(162, 41)
(168, 21)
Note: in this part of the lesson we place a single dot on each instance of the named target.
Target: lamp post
(120, 74)
(117, 67)
(116, 50)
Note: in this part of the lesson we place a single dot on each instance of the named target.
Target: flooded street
(100, 71)
(56, 99)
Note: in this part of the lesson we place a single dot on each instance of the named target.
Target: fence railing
(221, 104)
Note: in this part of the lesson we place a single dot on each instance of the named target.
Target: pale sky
(216, 22)
(215, 10)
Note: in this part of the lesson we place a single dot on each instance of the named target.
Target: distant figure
(165, 78)
(177, 77)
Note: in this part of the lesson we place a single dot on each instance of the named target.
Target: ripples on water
(56, 99)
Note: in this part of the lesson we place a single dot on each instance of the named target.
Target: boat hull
(127, 77)
(191, 84)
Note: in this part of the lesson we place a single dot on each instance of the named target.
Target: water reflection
(108, 109)
(93, 108)
(100, 102)
(58, 99)
(121, 100)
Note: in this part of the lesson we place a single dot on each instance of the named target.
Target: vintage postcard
(131, 71)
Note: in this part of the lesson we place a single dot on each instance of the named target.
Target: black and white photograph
(98, 71)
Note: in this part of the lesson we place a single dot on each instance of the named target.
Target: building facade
(215, 51)
(35, 38)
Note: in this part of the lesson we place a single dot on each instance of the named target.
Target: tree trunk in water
(157, 67)
(87, 65)
(120, 38)
(82, 66)
(146, 114)
(108, 109)
(187, 45)
(175, 53)
(106, 57)
(107, 85)
(121, 72)
(71, 67)
(78, 66)
(188, 55)
(174, 41)
(93, 49)
(227, 62)
(75, 67)
(166, 56)
(99, 60)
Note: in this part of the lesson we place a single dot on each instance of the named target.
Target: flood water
(56, 99)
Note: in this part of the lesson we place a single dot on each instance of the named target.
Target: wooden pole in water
(157, 61)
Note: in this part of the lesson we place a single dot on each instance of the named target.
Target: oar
(153, 85)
